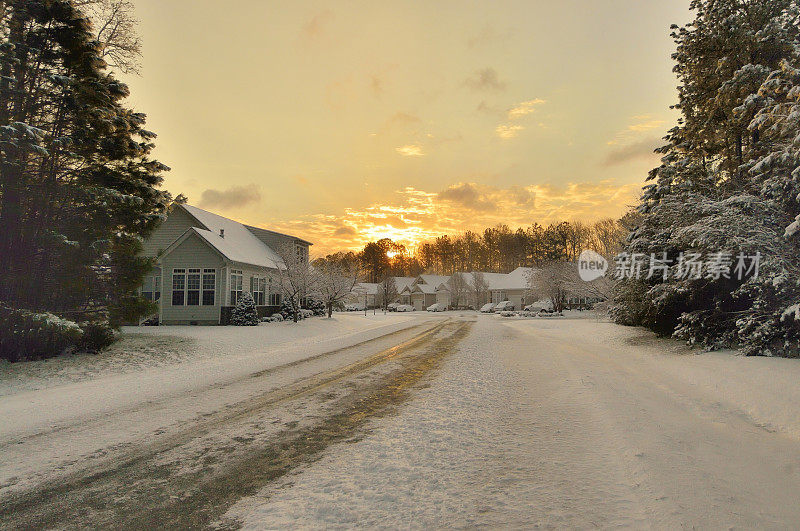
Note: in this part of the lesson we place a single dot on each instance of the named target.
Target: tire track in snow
(134, 490)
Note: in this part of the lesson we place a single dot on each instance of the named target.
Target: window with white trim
(209, 286)
(178, 287)
(236, 285)
(193, 287)
(274, 299)
(258, 288)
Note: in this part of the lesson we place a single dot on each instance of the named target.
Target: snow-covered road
(454, 420)
(565, 423)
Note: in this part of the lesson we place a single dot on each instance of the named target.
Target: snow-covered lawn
(50, 393)
(143, 348)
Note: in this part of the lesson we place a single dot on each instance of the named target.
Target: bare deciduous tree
(459, 290)
(296, 278)
(480, 288)
(114, 25)
(554, 281)
(335, 281)
(387, 291)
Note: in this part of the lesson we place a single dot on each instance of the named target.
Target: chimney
(221, 233)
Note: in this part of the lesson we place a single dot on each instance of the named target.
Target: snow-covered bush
(26, 335)
(287, 310)
(245, 313)
(276, 318)
(305, 314)
(96, 337)
(317, 307)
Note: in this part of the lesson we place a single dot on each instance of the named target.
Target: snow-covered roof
(366, 287)
(517, 279)
(434, 280)
(403, 282)
(238, 243)
(424, 288)
(491, 279)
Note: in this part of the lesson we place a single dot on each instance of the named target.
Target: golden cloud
(508, 131)
(416, 215)
(524, 108)
(411, 150)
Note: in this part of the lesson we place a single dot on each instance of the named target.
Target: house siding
(443, 297)
(516, 296)
(421, 301)
(170, 230)
(190, 254)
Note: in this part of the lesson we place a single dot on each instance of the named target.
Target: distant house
(422, 292)
(513, 287)
(365, 293)
(204, 262)
(369, 294)
(468, 298)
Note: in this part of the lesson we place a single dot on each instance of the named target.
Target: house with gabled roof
(513, 287)
(205, 262)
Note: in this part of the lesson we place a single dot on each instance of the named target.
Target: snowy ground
(143, 348)
(565, 423)
(447, 420)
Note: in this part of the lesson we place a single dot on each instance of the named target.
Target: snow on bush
(245, 312)
(27, 335)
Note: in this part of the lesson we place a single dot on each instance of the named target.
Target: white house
(513, 287)
(204, 262)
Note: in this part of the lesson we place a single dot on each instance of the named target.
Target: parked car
(505, 306)
(539, 306)
(404, 308)
(354, 307)
(487, 308)
(437, 307)
(392, 306)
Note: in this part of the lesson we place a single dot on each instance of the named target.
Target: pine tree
(711, 193)
(78, 190)
(245, 312)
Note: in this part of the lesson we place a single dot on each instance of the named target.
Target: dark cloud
(485, 80)
(345, 231)
(468, 196)
(522, 196)
(236, 196)
(638, 150)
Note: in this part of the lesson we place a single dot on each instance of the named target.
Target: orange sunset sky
(344, 122)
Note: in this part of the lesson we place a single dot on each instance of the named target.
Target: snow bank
(764, 389)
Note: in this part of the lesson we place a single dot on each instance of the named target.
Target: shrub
(287, 311)
(245, 313)
(318, 307)
(26, 335)
(276, 317)
(96, 337)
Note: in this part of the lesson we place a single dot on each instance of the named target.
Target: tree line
(495, 250)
